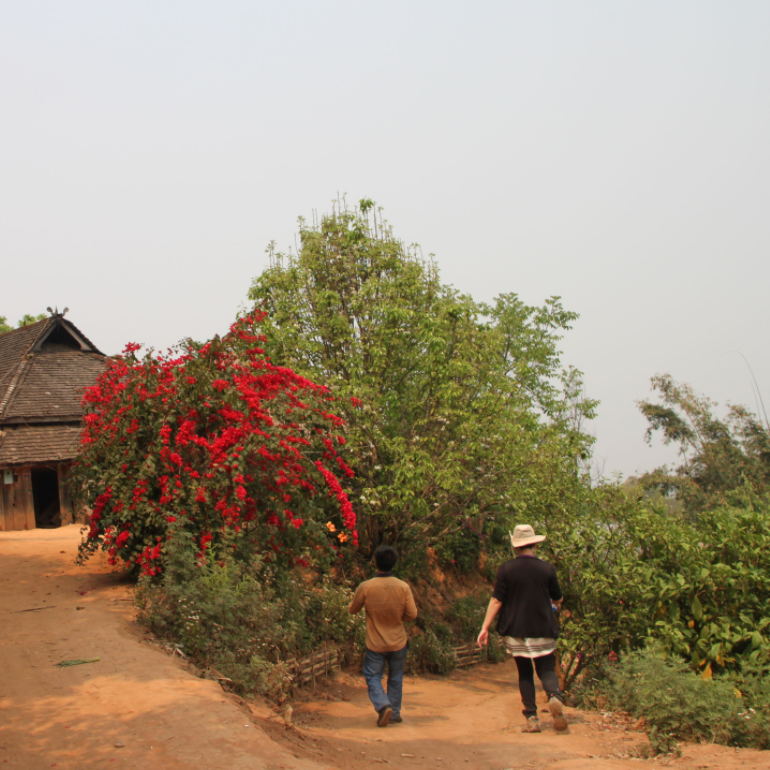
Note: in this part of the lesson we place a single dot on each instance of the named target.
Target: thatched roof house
(43, 370)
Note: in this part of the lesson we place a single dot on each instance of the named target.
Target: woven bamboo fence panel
(470, 655)
(320, 663)
(306, 670)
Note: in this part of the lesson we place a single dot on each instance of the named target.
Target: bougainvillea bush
(216, 440)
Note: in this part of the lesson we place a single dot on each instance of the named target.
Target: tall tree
(463, 408)
(718, 456)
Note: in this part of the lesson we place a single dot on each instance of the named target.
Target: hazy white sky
(614, 153)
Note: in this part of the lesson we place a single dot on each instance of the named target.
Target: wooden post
(15, 503)
(28, 501)
(65, 502)
(3, 486)
(16, 517)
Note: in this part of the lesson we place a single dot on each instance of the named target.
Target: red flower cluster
(346, 509)
(216, 439)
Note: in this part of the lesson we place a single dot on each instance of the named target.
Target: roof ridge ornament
(56, 312)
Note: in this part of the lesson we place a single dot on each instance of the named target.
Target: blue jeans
(374, 668)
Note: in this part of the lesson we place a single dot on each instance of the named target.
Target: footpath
(138, 708)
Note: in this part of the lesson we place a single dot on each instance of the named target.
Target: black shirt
(526, 586)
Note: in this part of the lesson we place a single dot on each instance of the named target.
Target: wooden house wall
(17, 504)
(17, 510)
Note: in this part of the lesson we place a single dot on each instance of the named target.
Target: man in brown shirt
(388, 602)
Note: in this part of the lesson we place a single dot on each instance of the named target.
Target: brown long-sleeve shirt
(388, 602)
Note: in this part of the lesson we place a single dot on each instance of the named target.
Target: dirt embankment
(138, 708)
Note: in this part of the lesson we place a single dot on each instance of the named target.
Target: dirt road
(138, 708)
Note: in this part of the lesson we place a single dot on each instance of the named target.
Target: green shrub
(634, 572)
(678, 704)
(433, 651)
(675, 703)
(466, 616)
(325, 611)
(753, 683)
(241, 618)
(431, 644)
(496, 652)
(413, 563)
(460, 550)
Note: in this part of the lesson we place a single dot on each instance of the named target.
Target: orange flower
(330, 527)
(342, 537)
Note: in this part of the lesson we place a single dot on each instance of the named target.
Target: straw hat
(524, 535)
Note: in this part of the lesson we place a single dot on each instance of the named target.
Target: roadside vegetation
(674, 705)
(249, 479)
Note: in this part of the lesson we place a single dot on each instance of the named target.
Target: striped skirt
(530, 647)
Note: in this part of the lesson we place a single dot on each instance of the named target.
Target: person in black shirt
(526, 597)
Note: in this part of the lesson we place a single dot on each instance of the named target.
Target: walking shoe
(397, 719)
(532, 726)
(384, 716)
(557, 712)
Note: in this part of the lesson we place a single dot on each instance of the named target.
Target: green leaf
(697, 608)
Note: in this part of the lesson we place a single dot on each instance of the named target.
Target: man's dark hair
(385, 557)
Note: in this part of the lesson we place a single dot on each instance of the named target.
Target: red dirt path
(166, 717)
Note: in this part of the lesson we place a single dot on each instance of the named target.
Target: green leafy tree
(28, 320)
(25, 321)
(464, 409)
(719, 457)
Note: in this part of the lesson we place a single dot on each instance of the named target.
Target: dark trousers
(545, 666)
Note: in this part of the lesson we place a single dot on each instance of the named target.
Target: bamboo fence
(306, 670)
(470, 655)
